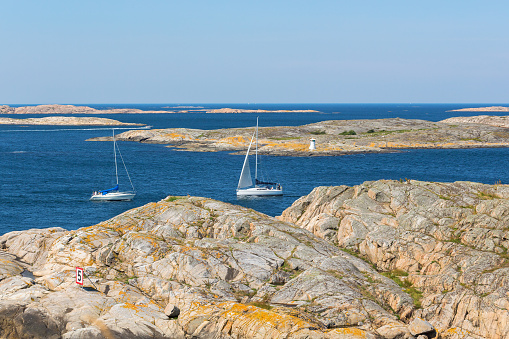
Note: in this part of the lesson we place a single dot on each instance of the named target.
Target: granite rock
(443, 243)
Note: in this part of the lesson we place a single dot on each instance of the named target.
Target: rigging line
(73, 129)
(121, 157)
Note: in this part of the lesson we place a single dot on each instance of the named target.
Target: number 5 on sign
(79, 276)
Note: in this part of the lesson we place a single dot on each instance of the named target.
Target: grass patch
(170, 199)
(405, 284)
(318, 132)
(444, 197)
(456, 240)
(487, 196)
(416, 296)
(263, 305)
(350, 132)
(394, 276)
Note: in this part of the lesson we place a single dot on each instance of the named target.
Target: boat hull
(113, 196)
(259, 191)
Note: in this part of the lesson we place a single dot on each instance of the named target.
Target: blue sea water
(47, 173)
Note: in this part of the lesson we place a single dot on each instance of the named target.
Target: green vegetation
(350, 132)
(263, 305)
(456, 240)
(444, 197)
(406, 285)
(487, 196)
(371, 131)
(318, 132)
(170, 199)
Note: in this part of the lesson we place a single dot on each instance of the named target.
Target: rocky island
(384, 259)
(69, 109)
(72, 109)
(483, 109)
(335, 137)
(67, 121)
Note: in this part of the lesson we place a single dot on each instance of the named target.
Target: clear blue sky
(261, 51)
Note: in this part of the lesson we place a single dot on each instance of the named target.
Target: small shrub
(371, 131)
(350, 132)
(318, 132)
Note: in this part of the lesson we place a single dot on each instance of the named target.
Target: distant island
(234, 110)
(67, 121)
(72, 109)
(69, 109)
(336, 137)
(482, 109)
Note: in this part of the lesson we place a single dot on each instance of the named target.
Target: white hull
(113, 196)
(259, 191)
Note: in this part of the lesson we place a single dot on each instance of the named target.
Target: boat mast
(115, 155)
(256, 153)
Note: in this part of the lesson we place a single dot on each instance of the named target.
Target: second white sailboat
(260, 188)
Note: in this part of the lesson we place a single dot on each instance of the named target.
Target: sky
(279, 51)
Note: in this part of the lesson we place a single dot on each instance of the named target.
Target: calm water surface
(48, 173)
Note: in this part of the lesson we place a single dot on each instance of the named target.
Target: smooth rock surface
(444, 243)
(230, 271)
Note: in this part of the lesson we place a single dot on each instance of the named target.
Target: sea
(48, 173)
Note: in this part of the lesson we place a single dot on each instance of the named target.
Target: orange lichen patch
(145, 237)
(177, 136)
(294, 146)
(97, 237)
(351, 332)
(458, 331)
(254, 318)
(236, 141)
(248, 321)
(184, 249)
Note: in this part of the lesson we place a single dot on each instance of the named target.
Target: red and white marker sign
(79, 276)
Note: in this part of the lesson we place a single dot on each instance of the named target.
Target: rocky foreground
(444, 243)
(336, 137)
(67, 121)
(384, 259)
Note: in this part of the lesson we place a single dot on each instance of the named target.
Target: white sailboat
(260, 188)
(113, 194)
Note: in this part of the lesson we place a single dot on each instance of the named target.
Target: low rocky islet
(335, 137)
(384, 259)
(66, 121)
